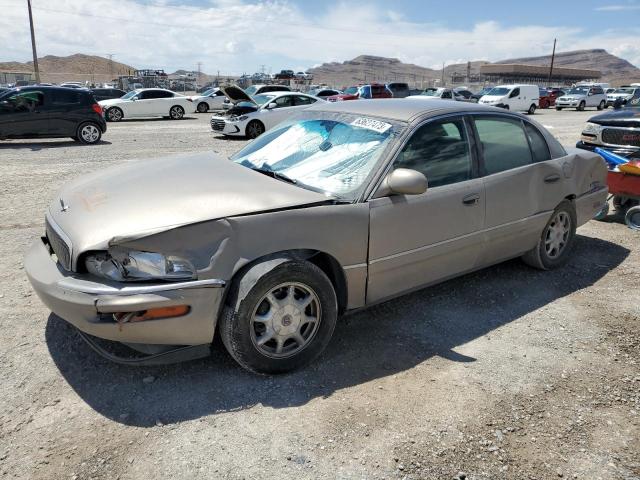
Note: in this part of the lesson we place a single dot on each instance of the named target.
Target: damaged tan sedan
(348, 205)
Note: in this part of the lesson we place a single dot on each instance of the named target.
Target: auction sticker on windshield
(371, 124)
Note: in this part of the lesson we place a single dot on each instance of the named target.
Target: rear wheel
(558, 108)
(176, 112)
(255, 128)
(581, 106)
(114, 114)
(532, 109)
(88, 133)
(280, 317)
(554, 245)
(601, 105)
(203, 107)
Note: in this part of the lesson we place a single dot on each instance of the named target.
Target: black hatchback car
(51, 112)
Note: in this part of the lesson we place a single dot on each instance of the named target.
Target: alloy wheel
(557, 235)
(285, 320)
(90, 133)
(114, 114)
(176, 113)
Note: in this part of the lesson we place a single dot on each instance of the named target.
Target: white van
(521, 98)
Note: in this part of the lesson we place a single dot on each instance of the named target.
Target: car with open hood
(147, 102)
(343, 206)
(251, 116)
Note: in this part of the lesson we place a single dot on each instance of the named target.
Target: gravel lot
(506, 373)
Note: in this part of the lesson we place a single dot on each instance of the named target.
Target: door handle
(472, 199)
(551, 178)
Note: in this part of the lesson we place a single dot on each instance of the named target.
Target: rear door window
(539, 147)
(300, 100)
(66, 97)
(283, 101)
(503, 143)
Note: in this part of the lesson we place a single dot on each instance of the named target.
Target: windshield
(335, 154)
(127, 96)
(623, 90)
(262, 99)
(579, 91)
(498, 91)
(251, 90)
(351, 90)
(208, 92)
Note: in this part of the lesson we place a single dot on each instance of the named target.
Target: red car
(548, 97)
(374, 90)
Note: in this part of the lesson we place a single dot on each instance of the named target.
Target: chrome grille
(619, 136)
(59, 246)
(217, 124)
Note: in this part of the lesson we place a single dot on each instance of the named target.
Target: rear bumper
(89, 305)
(589, 204)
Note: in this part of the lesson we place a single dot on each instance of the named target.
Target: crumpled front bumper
(89, 305)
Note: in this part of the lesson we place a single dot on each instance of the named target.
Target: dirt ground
(508, 373)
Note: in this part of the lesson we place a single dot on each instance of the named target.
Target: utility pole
(33, 44)
(553, 56)
(110, 57)
(442, 80)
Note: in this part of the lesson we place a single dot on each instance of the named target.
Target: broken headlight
(138, 266)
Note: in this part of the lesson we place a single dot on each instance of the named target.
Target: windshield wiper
(277, 175)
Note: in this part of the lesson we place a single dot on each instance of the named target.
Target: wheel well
(325, 262)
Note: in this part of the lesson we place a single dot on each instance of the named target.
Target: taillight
(97, 108)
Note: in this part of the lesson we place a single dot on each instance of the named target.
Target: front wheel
(176, 112)
(255, 128)
(88, 133)
(280, 316)
(203, 107)
(581, 106)
(114, 114)
(554, 245)
(532, 109)
(601, 105)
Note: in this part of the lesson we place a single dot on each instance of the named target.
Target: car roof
(49, 88)
(401, 109)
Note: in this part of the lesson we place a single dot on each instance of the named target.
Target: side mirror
(272, 105)
(403, 181)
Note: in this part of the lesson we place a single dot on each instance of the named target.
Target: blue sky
(238, 36)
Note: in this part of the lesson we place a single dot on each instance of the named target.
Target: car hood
(625, 117)
(145, 197)
(236, 94)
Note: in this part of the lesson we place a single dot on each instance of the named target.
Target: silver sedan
(345, 206)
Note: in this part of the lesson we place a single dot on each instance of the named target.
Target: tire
(632, 218)
(581, 106)
(532, 109)
(254, 129)
(601, 105)
(265, 292)
(88, 133)
(114, 114)
(558, 108)
(554, 245)
(203, 107)
(602, 214)
(176, 112)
